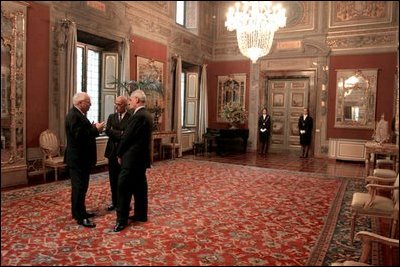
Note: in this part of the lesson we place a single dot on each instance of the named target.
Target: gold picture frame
(154, 70)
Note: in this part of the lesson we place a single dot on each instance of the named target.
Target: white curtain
(67, 74)
(125, 65)
(203, 109)
(177, 107)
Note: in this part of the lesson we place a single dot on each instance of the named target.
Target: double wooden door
(287, 98)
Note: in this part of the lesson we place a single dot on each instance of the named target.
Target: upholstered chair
(373, 205)
(366, 239)
(51, 150)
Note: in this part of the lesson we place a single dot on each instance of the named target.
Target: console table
(382, 149)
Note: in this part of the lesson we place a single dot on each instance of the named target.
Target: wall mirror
(12, 86)
(356, 98)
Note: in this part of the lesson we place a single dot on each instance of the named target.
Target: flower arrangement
(234, 113)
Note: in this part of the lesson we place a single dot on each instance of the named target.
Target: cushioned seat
(367, 238)
(384, 173)
(170, 147)
(51, 152)
(380, 163)
(373, 205)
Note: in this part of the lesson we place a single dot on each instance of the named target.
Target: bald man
(116, 125)
(80, 155)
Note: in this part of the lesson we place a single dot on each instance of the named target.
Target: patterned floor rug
(200, 213)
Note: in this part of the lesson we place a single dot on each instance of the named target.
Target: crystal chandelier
(255, 23)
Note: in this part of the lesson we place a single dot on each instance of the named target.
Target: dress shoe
(86, 223)
(137, 219)
(119, 227)
(111, 207)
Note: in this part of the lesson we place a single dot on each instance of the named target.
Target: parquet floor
(290, 161)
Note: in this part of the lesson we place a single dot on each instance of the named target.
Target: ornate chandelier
(255, 23)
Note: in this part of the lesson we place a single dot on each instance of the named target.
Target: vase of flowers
(235, 114)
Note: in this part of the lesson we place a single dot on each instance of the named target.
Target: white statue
(381, 134)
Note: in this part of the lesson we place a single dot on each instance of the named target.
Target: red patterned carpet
(200, 213)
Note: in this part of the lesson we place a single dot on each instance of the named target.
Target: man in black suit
(80, 154)
(305, 129)
(115, 127)
(134, 156)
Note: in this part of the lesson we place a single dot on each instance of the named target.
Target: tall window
(88, 77)
(180, 12)
(189, 98)
(187, 15)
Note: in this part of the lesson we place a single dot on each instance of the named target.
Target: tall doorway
(286, 99)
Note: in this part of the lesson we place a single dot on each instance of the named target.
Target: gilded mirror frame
(356, 98)
(13, 86)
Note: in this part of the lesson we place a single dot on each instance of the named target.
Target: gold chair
(172, 147)
(51, 150)
(373, 205)
(367, 238)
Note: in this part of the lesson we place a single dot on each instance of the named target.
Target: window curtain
(177, 107)
(203, 106)
(67, 85)
(125, 65)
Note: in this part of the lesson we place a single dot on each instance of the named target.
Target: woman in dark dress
(264, 125)
(305, 130)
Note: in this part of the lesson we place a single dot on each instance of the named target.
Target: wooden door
(287, 98)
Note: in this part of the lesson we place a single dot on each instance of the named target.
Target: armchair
(367, 238)
(373, 205)
(51, 150)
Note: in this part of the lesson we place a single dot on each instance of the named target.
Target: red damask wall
(386, 65)
(223, 68)
(149, 49)
(37, 72)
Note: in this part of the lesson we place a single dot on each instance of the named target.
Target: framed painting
(150, 70)
(231, 90)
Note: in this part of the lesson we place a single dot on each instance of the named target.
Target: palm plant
(147, 85)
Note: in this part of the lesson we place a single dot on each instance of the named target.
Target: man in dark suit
(115, 127)
(305, 130)
(134, 156)
(80, 155)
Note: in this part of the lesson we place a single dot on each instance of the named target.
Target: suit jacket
(114, 131)
(306, 125)
(81, 141)
(134, 148)
(264, 123)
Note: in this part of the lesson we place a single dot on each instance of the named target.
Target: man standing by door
(115, 127)
(305, 129)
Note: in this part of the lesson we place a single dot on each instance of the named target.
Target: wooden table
(159, 135)
(383, 149)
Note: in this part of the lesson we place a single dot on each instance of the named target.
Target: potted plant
(147, 85)
(235, 114)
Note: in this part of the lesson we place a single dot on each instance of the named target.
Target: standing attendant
(264, 125)
(305, 129)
